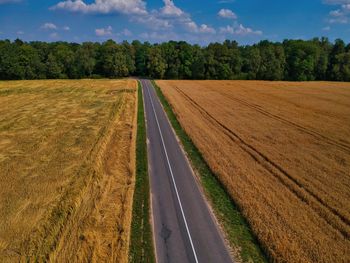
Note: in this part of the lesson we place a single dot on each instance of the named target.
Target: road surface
(184, 228)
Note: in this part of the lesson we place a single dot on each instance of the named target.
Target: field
(282, 150)
(66, 169)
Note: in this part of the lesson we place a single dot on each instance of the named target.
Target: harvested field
(66, 170)
(282, 150)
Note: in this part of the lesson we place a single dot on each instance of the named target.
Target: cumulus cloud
(341, 15)
(54, 35)
(152, 20)
(167, 22)
(49, 26)
(227, 13)
(170, 9)
(171, 17)
(102, 32)
(206, 29)
(236, 29)
(178, 18)
(240, 30)
(52, 27)
(126, 32)
(103, 6)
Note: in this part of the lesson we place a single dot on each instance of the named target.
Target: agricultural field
(282, 150)
(66, 169)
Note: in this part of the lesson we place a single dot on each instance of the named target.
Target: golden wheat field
(283, 152)
(66, 169)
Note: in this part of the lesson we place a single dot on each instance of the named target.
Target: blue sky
(201, 21)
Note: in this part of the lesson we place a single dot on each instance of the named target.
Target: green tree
(273, 61)
(85, 60)
(53, 67)
(156, 65)
(114, 60)
(198, 65)
(334, 64)
(251, 62)
(141, 51)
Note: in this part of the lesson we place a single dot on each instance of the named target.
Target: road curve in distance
(184, 227)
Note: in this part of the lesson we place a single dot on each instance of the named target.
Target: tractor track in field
(333, 217)
(343, 146)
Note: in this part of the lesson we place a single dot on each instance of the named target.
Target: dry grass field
(283, 152)
(66, 170)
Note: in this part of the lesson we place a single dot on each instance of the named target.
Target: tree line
(296, 60)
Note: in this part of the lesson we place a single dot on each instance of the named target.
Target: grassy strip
(141, 242)
(236, 227)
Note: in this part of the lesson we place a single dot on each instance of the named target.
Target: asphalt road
(184, 228)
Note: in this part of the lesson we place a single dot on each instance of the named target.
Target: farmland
(282, 151)
(66, 169)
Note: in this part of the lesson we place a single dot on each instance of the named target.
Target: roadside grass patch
(141, 242)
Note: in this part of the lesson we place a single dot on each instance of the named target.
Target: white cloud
(338, 20)
(103, 6)
(227, 13)
(326, 28)
(192, 27)
(49, 26)
(243, 31)
(227, 30)
(167, 22)
(170, 9)
(102, 32)
(240, 30)
(169, 17)
(54, 35)
(335, 13)
(152, 21)
(206, 29)
(126, 32)
(340, 15)
(20, 32)
(177, 18)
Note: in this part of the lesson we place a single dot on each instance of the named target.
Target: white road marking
(172, 177)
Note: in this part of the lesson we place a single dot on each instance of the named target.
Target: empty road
(184, 228)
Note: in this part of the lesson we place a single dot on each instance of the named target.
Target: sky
(195, 21)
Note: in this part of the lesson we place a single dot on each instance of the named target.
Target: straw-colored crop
(66, 170)
(282, 150)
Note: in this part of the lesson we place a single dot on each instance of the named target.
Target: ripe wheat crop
(66, 169)
(282, 150)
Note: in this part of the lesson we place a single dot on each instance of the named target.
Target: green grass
(141, 242)
(235, 226)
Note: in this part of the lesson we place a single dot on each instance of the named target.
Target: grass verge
(227, 212)
(141, 242)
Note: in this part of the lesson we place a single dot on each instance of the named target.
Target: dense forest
(299, 60)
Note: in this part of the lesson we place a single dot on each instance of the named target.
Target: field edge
(141, 247)
(242, 240)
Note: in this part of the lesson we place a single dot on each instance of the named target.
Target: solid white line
(172, 177)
